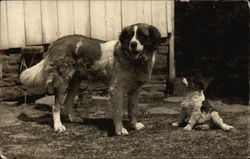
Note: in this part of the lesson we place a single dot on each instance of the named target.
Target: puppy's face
(140, 40)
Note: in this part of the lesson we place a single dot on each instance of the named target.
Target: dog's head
(140, 40)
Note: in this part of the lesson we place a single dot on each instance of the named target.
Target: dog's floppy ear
(155, 35)
(123, 35)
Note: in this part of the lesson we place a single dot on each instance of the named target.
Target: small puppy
(201, 115)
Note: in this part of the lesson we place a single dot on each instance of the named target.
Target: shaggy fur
(200, 114)
(124, 65)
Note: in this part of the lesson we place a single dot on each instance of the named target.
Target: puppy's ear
(155, 35)
(123, 35)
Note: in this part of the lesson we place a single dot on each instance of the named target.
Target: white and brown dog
(124, 65)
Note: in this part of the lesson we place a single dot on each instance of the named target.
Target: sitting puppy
(200, 113)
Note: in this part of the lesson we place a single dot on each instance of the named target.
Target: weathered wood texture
(38, 22)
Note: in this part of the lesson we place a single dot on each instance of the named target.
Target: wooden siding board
(102, 19)
(4, 43)
(82, 17)
(49, 21)
(15, 18)
(65, 18)
(98, 19)
(128, 12)
(170, 19)
(143, 11)
(159, 12)
(170, 15)
(33, 26)
(113, 19)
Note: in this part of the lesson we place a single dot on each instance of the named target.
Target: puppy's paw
(59, 128)
(188, 127)
(122, 131)
(227, 127)
(175, 124)
(139, 126)
(75, 119)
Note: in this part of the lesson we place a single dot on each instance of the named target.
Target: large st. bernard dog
(124, 65)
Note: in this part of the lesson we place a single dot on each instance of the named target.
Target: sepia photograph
(124, 79)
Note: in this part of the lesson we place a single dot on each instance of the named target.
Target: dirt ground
(26, 132)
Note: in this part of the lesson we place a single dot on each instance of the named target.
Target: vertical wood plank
(128, 12)
(65, 18)
(82, 17)
(15, 18)
(4, 43)
(159, 19)
(170, 15)
(143, 11)
(49, 21)
(113, 19)
(33, 26)
(98, 19)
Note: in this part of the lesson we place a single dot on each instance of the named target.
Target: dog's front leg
(69, 100)
(60, 96)
(116, 109)
(182, 117)
(192, 121)
(133, 98)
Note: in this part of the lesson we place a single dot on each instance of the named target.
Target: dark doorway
(211, 40)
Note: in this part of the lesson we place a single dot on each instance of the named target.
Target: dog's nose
(133, 44)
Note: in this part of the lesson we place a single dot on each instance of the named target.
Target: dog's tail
(34, 75)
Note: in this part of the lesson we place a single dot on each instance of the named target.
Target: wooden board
(65, 18)
(49, 21)
(82, 17)
(143, 11)
(128, 12)
(159, 13)
(4, 43)
(15, 16)
(33, 26)
(170, 16)
(170, 26)
(113, 19)
(98, 19)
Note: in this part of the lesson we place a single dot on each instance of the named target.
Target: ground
(26, 132)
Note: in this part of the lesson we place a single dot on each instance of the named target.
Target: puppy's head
(140, 40)
(193, 83)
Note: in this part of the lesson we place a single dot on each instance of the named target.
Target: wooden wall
(37, 22)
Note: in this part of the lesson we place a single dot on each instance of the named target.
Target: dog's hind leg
(202, 127)
(133, 98)
(219, 122)
(69, 100)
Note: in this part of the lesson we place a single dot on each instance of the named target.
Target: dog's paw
(59, 128)
(75, 119)
(188, 127)
(123, 131)
(175, 124)
(227, 127)
(139, 126)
